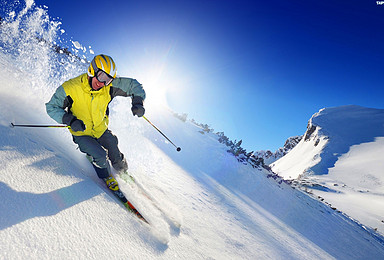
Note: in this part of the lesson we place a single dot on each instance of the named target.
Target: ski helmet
(104, 63)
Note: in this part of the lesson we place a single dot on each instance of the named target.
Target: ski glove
(137, 106)
(72, 121)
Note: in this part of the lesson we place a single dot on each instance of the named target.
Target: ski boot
(114, 187)
(111, 183)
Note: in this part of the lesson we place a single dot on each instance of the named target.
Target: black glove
(72, 121)
(137, 106)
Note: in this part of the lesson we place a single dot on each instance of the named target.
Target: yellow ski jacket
(76, 96)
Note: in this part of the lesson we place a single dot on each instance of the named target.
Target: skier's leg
(110, 142)
(91, 147)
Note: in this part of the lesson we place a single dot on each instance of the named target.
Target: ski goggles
(103, 77)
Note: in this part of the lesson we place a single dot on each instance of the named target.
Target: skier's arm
(55, 107)
(127, 87)
(130, 87)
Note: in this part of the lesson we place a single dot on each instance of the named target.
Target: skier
(82, 103)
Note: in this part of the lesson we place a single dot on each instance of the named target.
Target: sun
(156, 69)
(156, 94)
(156, 76)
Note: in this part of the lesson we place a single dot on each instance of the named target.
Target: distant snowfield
(53, 206)
(357, 180)
(361, 166)
(346, 167)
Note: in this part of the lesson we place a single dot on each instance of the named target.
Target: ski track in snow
(227, 210)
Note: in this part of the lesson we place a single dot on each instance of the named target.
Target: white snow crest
(340, 160)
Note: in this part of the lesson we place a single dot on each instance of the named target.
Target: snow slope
(53, 206)
(341, 159)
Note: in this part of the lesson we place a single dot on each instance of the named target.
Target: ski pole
(47, 126)
(177, 148)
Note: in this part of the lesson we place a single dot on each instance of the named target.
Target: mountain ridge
(332, 153)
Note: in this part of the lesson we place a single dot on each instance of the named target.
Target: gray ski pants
(101, 149)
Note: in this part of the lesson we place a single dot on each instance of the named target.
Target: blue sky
(256, 70)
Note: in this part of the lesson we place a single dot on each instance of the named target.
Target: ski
(133, 183)
(120, 195)
(128, 205)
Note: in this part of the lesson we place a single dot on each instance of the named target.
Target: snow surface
(54, 207)
(345, 168)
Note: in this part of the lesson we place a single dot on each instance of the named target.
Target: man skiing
(82, 103)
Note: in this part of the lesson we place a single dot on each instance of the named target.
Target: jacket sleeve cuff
(137, 100)
(68, 118)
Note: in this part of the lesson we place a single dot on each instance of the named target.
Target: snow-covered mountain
(270, 157)
(53, 206)
(340, 159)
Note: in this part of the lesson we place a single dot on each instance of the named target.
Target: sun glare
(153, 72)
(156, 93)
(155, 68)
